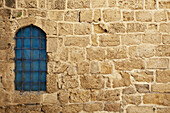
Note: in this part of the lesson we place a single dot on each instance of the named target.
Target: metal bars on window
(30, 59)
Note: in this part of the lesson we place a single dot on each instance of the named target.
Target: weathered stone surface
(142, 88)
(106, 68)
(164, 27)
(97, 15)
(163, 110)
(117, 52)
(112, 3)
(51, 108)
(92, 107)
(163, 76)
(160, 16)
(163, 50)
(50, 99)
(56, 4)
(86, 16)
(156, 63)
(79, 96)
(27, 3)
(164, 4)
(108, 95)
(140, 109)
(116, 28)
(112, 107)
(143, 16)
(83, 67)
(71, 16)
(129, 90)
(130, 4)
(150, 4)
(65, 29)
(56, 15)
(1, 3)
(52, 83)
(124, 80)
(110, 15)
(129, 64)
(92, 82)
(82, 29)
(98, 28)
(159, 99)
(51, 44)
(128, 15)
(78, 4)
(109, 40)
(151, 38)
(56, 67)
(63, 97)
(164, 88)
(94, 38)
(72, 108)
(166, 39)
(98, 3)
(136, 27)
(152, 28)
(10, 3)
(130, 99)
(95, 53)
(6, 97)
(41, 4)
(37, 13)
(80, 41)
(77, 54)
(70, 82)
(131, 39)
(143, 76)
(94, 67)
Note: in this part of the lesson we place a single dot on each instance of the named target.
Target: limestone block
(92, 107)
(143, 16)
(77, 54)
(140, 109)
(156, 63)
(51, 108)
(98, 3)
(136, 27)
(78, 4)
(92, 82)
(56, 4)
(79, 96)
(130, 4)
(117, 28)
(56, 15)
(143, 76)
(72, 108)
(151, 38)
(82, 29)
(160, 16)
(52, 44)
(106, 68)
(69, 82)
(131, 99)
(42, 4)
(94, 40)
(50, 99)
(131, 39)
(112, 107)
(117, 52)
(65, 29)
(37, 13)
(150, 4)
(112, 3)
(129, 90)
(163, 50)
(164, 27)
(94, 67)
(128, 16)
(86, 16)
(163, 76)
(142, 88)
(166, 39)
(98, 28)
(163, 110)
(109, 40)
(71, 16)
(52, 81)
(97, 15)
(163, 88)
(111, 15)
(164, 4)
(10, 3)
(27, 3)
(95, 54)
(83, 67)
(63, 97)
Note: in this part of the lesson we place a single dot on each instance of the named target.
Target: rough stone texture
(142, 88)
(130, 4)
(93, 107)
(10, 3)
(161, 88)
(78, 4)
(136, 27)
(160, 16)
(65, 29)
(143, 16)
(56, 4)
(164, 5)
(163, 50)
(157, 63)
(163, 110)
(56, 15)
(112, 107)
(128, 16)
(150, 4)
(79, 96)
(82, 29)
(83, 67)
(165, 27)
(139, 109)
(98, 3)
(143, 76)
(166, 39)
(117, 52)
(130, 99)
(163, 76)
(116, 28)
(110, 15)
(95, 54)
(69, 82)
(71, 16)
(151, 38)
(86, 16)
(131, 39)
(27, 3)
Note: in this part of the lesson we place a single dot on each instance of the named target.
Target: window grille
(30, 59)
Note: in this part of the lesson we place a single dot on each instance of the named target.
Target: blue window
(30, 59)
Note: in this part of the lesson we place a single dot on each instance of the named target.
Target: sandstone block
(95, 54)
(56, 15)
(71, 16)
(129, 64)
(166, 39)
(106, 68)
(160, 16)
(72, 108)
(86, 16)
(164, 27)
(80, 41)
(163, 76)
(163, 50)
(52, 83)
(163, 110)
(130, 99)
(92, 82)
(1, 3)
(131, 39)
(139, 109)
(98, 28)
(51, 108)
(152, 28)
(98, 3)
(83, 67)
(112, 107)
(128, 16)
(50, 99)
(109, 40)
(117, 52)
(163, 88)
(164, 4)
(41, 4)
(143, 76)
(156, 63)
(10, 3)
(70, 82)
(151, 38)
(37, 13)
(159, 99)
(63, 97)
(27, 3)
(112, 3)
(136, 27)
(56, 4)
(82, 29)
(130, 4)
(108, 95)
(124, 80)
(78, 4)
(94, 38)
(51, 44)
(145, 50)
(142, 88)
(111, 15)
(168, 15)
(129, 90)
(94, 67)
(92, 107)
(65, 29)
(150, 4)
(79, 96)
(116, 28)
(77, 54)
(97, 15)
(143, 16)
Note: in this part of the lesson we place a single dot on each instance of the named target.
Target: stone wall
(104, 56)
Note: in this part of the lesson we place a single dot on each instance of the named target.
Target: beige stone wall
(105, 56)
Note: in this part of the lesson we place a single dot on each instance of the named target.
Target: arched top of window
(30, 59)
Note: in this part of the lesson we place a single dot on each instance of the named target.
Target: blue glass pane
(35, 32)
(18, 86)
(35, 43)
(18, 65)
(18, 43)
(35, 54)
(27, 81)
(27, 43)
(43, 54)
(35, 80)
(18, 76)
(35, 65)
(27, 54)
(18, 53)
(27, 65)
(27, 32)
(43, 65)
(43, 86)
(43, 77)
(43, 43)
(19, 33)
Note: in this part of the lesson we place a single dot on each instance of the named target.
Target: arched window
(30, 59)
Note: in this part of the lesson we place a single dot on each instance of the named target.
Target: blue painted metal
(30, 59)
